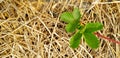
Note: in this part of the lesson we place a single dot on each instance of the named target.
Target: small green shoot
(72, 19)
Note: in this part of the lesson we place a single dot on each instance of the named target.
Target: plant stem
(109, 39)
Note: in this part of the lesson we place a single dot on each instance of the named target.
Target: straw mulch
(32, 28)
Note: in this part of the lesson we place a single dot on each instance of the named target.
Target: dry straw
(32, 29)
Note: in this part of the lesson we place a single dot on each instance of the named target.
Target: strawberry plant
(86, 31)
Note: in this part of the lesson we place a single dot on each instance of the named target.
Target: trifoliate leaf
(76, 14)
(71, 27)
(75, 40)
(92, 27)
(67, 17)
(91, 40)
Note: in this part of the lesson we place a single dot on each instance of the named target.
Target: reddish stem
(109, 39)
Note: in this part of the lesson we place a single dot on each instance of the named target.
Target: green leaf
(91, 40)
(80, 27)
(92, 27)
(71, 27)
(76, 14)
(75, 40)
(67, 17)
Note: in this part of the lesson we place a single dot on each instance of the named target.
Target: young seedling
(86, 31)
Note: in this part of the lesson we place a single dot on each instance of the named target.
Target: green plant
(86, 31)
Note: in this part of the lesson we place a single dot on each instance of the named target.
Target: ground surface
(32, 28)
